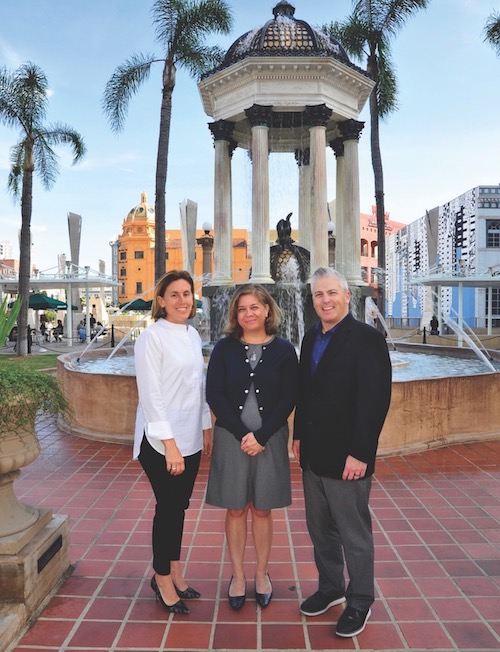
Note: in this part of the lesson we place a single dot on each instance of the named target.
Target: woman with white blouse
(173, 426)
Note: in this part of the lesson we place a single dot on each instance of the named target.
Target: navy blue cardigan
(275, 379)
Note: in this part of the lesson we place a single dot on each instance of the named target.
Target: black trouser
(172, 499)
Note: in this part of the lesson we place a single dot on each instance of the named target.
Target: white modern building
(6, 250)
(447, 263)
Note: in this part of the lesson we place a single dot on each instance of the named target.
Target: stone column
(260, 120)
(340, 217)
(316, 117)
(302, 156)
(223, 220)
(350, 131)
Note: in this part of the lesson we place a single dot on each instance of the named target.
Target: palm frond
(62, 134)
(17, 157)
(165, 19)
(201, 59)
(46, 164)
(177, 22)
(387, 87)
(351, 34)
(30, 87)
(122, 85)
(492, 31)
(393, 14)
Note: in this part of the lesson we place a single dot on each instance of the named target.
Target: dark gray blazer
(341, 408)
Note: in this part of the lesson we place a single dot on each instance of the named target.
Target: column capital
(302, 156)
(317, 116)
(221, 130)
(337, 144)
(350, 129)
(259, 116)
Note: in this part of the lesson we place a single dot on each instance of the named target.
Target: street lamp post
(331, 244)
(69, 304)
(207, 244)
(87, 304)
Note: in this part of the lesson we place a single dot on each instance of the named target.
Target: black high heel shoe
(178, 607)
(236, 601)
(188, 594)
(263, 599)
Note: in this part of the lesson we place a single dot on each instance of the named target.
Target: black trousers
(172, 495)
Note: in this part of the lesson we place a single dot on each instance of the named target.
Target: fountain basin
(103, 405)
(424, 413)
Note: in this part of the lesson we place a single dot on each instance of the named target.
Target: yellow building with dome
(135, 252)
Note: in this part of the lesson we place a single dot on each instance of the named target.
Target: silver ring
(356, 475)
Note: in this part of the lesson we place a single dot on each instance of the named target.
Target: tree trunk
(25, 260)
(378, 175)
(161, 168)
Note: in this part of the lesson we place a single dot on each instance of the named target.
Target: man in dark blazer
(344, 396)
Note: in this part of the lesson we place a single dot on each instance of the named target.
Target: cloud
(11, 58)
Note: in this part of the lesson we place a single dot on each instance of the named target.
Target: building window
(374, 249)
(123, 255)
(166, 255)
(373, 275)
(123, 271)
(493, 233)
(138, 287)
(364, 274)
(138, 255)
(364, 248)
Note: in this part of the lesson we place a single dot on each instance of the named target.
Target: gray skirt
(236, 479)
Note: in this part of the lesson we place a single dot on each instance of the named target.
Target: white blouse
(170, 377)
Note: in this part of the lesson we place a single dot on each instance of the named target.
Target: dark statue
(289, 262)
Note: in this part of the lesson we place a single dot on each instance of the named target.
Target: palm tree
(367, 35)
(492, 32)
(23, 105)
(181, 26)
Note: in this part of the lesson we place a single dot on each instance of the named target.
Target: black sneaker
(352, 622)
(318, 603)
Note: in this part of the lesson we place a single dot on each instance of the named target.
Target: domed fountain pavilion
(287, 87)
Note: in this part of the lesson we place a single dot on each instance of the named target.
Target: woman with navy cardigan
(251, 388)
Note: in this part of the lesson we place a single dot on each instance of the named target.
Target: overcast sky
(443, 140)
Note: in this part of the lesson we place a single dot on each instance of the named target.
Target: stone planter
(17, 449)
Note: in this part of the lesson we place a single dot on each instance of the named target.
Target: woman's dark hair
(157, 312)
(261, 294)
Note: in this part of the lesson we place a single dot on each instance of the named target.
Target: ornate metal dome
(141, 212)
(284, 35)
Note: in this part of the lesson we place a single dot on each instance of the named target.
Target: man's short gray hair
(330, 272)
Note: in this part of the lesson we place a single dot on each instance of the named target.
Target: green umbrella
(40, 301)
(136, 304)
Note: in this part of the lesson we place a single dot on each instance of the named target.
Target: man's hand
(354, 469)
(296, 449)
